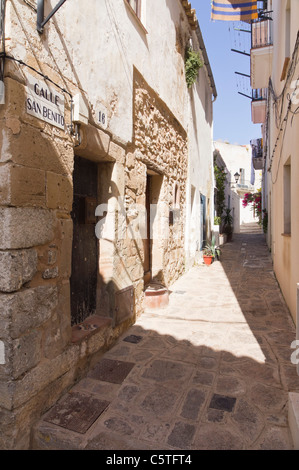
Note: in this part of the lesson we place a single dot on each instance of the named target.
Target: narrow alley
(211, 371)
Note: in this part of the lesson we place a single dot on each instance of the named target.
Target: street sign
(45, 103)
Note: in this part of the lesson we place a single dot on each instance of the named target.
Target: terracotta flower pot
(207, 260)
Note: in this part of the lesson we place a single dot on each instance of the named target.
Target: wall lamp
(237, 176)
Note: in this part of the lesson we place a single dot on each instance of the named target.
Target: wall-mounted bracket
(41, 21)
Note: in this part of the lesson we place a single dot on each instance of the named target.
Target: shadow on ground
(212, 371)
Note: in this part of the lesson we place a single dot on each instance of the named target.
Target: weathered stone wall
(161, 146)
(35, 235)
(39, 357)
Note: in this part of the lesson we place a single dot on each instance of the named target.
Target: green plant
(265, 221)
(217, 220)
(220, 182)
(193, 63)
(211, 249)
(227, 220)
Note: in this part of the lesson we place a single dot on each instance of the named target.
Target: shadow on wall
(36, 249)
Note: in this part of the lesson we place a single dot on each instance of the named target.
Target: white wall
(200, 169)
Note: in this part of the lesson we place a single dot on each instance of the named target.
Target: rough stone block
(25, 227)
(4, 184)
(130, 160)
(27, 309)
(59, 192)
(46, 372)
(66, 234)
(57, 333)
(6, 394)
(27, 186)
(117, 152)
(16, 268)
(51, 273)
(26, 353)
(36, 150)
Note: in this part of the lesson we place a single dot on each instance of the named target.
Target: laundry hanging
(234, 10)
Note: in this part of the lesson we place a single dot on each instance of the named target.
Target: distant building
(241, 178)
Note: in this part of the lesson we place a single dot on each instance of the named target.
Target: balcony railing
(257, 153)
(257, 147)
(244, 186)
(262, 32)
(260, 94)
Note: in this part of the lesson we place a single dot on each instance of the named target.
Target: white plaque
(45, 103)
(101, 116)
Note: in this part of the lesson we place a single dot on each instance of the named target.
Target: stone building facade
(95, 131)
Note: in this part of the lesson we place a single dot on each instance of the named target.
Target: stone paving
(211, 371)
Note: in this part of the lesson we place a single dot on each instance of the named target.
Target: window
(138, 10)
(287, 198)
(136, 6)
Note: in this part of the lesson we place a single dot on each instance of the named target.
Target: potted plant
(228, 220)
(210, 252)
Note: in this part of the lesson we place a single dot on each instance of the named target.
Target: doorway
(147, 241)
(153, 243)
(203, 220)
(83, 279)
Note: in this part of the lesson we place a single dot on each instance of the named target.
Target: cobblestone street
(211, 371)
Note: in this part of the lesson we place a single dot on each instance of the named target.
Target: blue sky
(232, 111)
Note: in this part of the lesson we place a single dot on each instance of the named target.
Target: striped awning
(234, 10)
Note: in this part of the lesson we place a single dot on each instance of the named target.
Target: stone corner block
(59, 192)
(25, 227)
(27, 309)
(16, 268)
(117, 153)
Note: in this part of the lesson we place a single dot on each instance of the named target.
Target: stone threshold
(88, 327)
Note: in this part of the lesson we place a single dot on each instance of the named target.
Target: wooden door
(147, 240)
(85, 247)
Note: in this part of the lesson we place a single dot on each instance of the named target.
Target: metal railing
(245, 185)
(257, 148)
(262, 32)
(260, 94)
